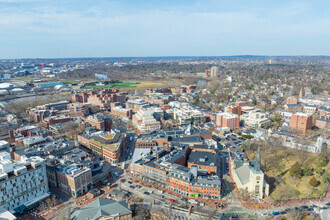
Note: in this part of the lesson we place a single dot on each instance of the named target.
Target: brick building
(168, 168)
(81, 97)
(105, 97)
(122, 112)
(74, 180)
(300, 123)
(78, 110)
(107, 145)
(100, 121)
(240, 103)
(55, 120)
(227, 120)
(291, 100)
(237, 110)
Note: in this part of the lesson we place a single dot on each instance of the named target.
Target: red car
(121, 180)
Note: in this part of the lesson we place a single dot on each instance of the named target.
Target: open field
(154, 84)
(115, 85)
(69, 81)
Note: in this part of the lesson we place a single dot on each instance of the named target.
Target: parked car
(275, 213)
(129, 182)
(146, 193)
(132, 187)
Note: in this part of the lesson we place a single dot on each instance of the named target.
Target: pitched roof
(102, 207)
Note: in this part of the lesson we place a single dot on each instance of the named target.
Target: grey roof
(188, 139)
(294, 105)
(202, 158)
(243, 174)
(101, 207)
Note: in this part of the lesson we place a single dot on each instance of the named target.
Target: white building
(22, 183)
(249, 176)
(144, 121)
(214, 71)
(255, 119)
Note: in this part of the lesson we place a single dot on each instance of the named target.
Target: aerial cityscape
(125, 110)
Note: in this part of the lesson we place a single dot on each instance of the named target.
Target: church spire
(258, 161)
(301, 93)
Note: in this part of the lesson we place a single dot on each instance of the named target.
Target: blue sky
(106, 28)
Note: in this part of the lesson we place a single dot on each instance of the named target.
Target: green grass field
(69, 81)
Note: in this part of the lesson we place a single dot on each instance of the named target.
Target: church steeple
(301, 93)
(258, 161)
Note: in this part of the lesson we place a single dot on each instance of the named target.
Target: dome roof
(3, 92)
(58, 86)
(17, 90)
(6, 85)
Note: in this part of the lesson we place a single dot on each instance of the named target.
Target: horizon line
(110, 57)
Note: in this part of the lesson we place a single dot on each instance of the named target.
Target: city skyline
(42, 29)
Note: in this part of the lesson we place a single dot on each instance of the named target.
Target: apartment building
(52, 120)
(22, 183)
(291, 100)
(188, 116)
(105, 97)
(300, 123)
(310, 109)
(122, 112)
(78, 110)
(167, 167)
(145, 121)
(204, 161)
(212, 72)
(255, 119)
(240, 103)
(74, 179)
(107, 145)
(80, 97)
(237, 110)
(186, 181)
(227, 120)
(137, 104)
(100, 121)
(4, 146)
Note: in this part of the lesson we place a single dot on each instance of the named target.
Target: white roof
(4, 214)
(302, 114)
(17, 90)
(3, 92)
(6, 85)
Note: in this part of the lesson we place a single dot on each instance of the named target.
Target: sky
(133, 28)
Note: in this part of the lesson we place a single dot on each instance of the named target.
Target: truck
(192, 202)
